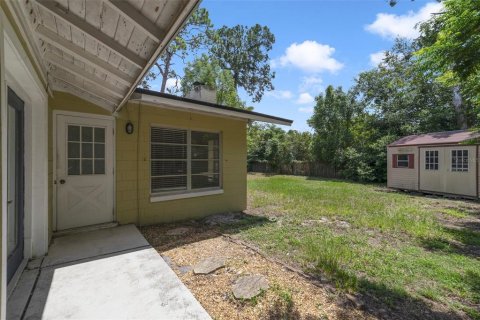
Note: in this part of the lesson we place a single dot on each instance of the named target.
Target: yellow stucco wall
(132, 172)
(133, 166)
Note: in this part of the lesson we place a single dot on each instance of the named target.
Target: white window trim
(430, 166)
(189, 193)
(463, 168)
(185, 195)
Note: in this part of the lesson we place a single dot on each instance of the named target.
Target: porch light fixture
(129, 127)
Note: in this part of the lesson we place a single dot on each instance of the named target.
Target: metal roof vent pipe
(201, 92)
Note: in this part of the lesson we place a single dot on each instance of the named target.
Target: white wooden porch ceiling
(100, 49)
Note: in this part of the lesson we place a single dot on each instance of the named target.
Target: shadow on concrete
(110, 273)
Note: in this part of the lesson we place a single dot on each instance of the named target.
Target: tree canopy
(244, 52)
(192, 37)
(208, 71)
(450, 47)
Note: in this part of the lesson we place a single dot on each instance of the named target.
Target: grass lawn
(403, 252)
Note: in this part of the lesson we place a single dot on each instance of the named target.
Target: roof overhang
(98, 50)
(179, 103)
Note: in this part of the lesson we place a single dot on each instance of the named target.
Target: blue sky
(319, 42)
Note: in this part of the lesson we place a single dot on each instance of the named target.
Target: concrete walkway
(105, 274)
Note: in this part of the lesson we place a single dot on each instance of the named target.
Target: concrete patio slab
(84, 245)
(110, 279)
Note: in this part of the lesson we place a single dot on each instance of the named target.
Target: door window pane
(73, 133)
(99, 151)
(84, 156)
(87, 150)
(87, 134)
(99, 166)
(99, 134)
(73, 167)
(459, 160)
(431, 160)
(87, 166)
(74, 150)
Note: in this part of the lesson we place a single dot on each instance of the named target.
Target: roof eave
(192, 106)
(172, 33)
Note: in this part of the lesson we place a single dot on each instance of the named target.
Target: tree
(243, 51)
(208, 71)
(450, 46)
(332, 120)
(402, 98)
(192, 37)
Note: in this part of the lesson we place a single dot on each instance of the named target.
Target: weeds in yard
(393, 246)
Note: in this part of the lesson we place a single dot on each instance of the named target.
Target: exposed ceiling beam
(79, 23)
(177, 24)
(57, 41)
(79, 72)
(138, 19)
(78, 84)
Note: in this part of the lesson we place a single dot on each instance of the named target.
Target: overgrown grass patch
(365, 239)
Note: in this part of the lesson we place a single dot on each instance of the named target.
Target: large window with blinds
(184, 160)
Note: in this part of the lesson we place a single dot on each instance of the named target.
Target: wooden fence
(297, 168)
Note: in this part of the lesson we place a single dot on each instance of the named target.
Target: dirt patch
(290, 296)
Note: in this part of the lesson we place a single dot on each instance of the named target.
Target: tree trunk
(459, 108)
(166, 71)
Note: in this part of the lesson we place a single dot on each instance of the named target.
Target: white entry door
(84, 177)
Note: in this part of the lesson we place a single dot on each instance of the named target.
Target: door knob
(62, 181)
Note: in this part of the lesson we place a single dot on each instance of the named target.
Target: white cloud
(306, 110)
(280, 94)
(376, 58)
(309, 56)
(391, 26)
(172, 83)
(311, 84)
(305, 98)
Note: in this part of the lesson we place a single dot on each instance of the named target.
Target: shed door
(432, 169)
(461, 170)
(455, 173)
(84, 179)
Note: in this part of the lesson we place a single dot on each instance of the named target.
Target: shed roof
(446, 137)
(176, 102)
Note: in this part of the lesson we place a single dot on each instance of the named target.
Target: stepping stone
(177, 231)
(248, 287)
(184, 269)
(209, 265)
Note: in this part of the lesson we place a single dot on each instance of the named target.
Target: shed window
(459, 160)
(431, 160)
(402, 161)
(184, 160)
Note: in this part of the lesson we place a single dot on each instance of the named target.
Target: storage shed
(439, 162)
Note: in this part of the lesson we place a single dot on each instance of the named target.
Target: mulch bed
(290, 295)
